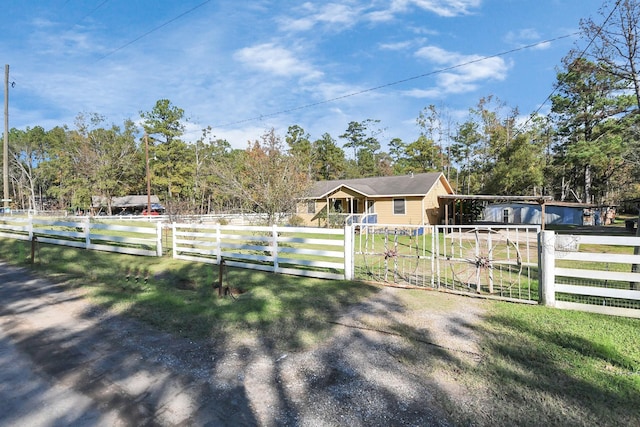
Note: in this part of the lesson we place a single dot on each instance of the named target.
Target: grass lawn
(178, 296)
(558, 367)
(544, 367)
(538, 366)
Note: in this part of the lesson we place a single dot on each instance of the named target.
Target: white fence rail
(591, 273)
(602, 282)
(313, 252)
(82, 233)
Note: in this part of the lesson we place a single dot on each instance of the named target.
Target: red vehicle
(144, 212)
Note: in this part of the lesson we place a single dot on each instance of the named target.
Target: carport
(449, 203)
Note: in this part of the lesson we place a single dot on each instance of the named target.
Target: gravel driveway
(64, 361)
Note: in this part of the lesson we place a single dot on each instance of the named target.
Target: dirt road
(64, 361)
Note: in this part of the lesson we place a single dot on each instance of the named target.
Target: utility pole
(5, 147)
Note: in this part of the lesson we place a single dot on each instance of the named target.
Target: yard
(525, 365)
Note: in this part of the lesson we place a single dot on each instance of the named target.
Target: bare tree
(615, 42)
(267, 179)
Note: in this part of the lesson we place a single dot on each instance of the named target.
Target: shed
(558, 213)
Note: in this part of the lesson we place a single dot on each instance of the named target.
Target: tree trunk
(587, 184)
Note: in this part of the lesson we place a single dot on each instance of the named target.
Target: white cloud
(444, 8)
(396, 46)
(462, 73)
(526, 37)
(424, 93)
(339, 16)
(380, 15)
(274, 59)
(334, 15)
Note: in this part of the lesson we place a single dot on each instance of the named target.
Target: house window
(398, 207)
(505, 216)
(311, 206)
(337, 206)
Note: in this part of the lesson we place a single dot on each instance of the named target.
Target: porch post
(446, 213)
(327, 220)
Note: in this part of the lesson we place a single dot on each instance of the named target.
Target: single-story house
(405, 199)
(564, 213)
(132, 204)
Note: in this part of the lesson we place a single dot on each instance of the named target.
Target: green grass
(540, 366)
(561, 367)
(292, 312)
(537, 366)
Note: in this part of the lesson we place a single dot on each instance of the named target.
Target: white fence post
(434, 241)
(30, 227)
(174, 239)
(159, 238)
(348, 252)
(274, 251)
(87, 233)
(218, 244)
(547, 267)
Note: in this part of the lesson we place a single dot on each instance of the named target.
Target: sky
(243, 68)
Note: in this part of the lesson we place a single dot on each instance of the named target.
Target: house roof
(384, 186)
(550, 203)
(497, 198)
(125, 201)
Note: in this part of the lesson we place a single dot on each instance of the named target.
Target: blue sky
(245, 67)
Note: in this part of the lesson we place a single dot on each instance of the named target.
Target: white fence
(80, 232)
(574, 276)
(314, 252)
(572, 271)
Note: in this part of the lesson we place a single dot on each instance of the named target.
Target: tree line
(585, 149)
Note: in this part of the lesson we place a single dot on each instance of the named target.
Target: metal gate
(399, 254)
(488, 260)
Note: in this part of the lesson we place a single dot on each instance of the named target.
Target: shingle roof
(401, 185)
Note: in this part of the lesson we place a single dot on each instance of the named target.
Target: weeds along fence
(591, 273)
(312, 252)
(80, 232)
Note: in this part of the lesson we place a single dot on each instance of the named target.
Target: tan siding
(432, 205)
(345, 194)
(312, 219)
(418, 210)
(413, 211)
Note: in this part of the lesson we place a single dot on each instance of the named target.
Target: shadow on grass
(274, 355)
(304, 351)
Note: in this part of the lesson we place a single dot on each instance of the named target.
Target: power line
(566, 76)
(153, 30)
(397, 82)
(92, 11)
